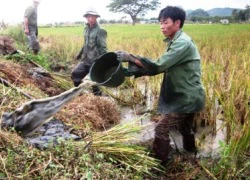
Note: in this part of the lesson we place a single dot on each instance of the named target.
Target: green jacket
(94, 44)
(181, 90)
(31, 14)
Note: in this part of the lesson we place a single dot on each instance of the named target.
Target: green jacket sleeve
(101, 41)
(174, 55)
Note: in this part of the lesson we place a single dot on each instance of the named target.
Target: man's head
(36, 2)
(91, 15)
(172, 19)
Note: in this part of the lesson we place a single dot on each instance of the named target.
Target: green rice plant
(62, 44)
(64, 82)
(230, 85)
(40, 59)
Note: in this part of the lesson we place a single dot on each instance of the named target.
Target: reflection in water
(211, 144)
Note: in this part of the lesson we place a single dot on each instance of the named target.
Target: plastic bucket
(107, 71)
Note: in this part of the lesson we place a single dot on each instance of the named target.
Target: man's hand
(26, 31)
(124, 56)
(78, 56)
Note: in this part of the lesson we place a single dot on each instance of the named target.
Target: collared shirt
(181, 90)
(31, 14)
(94, 44)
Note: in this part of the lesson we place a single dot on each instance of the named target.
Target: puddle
(50, 134)
(128, 114)
(210, 146)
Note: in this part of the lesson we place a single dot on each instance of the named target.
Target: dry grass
(87, 109)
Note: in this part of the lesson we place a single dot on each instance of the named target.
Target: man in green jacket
(94, 46)
(182, 93)
(30, 26)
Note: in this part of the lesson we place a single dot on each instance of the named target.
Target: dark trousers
(80, 72)
(32, 39)
(181, 122)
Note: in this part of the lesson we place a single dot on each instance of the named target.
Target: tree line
(138, 8)
(237, 15)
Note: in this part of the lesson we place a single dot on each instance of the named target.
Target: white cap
(91, 11)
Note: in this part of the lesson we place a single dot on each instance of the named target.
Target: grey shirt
(31, 14)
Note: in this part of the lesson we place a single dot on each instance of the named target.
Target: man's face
(91, 19)
(169, 28)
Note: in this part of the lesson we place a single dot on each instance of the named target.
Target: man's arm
(26, 26)
(174, 55)
(28, 13)
(177, 51)
(79, 55)
(102, 41)
(136, 61)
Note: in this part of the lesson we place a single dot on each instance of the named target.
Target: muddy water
(207, 147)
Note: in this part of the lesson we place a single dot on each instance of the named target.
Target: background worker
(30, 26)
(182, 93)
(94, 46)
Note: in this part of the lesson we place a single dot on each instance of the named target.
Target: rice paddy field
(225, 55)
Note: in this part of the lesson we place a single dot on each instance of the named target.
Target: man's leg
(96, 91)
(186, 129)
(161, 144)
(79, 72)
(33, 42)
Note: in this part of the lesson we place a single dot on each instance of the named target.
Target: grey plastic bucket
(107, 71)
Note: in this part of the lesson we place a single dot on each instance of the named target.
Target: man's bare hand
(26, 31)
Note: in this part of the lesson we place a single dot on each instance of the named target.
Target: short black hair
(173, 12)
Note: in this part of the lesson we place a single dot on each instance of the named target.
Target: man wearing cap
(94, 46)
(30, 26)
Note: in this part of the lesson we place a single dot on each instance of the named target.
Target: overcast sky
(50, 11)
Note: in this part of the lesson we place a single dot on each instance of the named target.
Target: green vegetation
(225, 52)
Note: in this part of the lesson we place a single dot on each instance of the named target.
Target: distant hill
(218, 11)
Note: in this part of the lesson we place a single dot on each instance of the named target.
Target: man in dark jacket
(94, 46)
(182, 93)
(30, 26)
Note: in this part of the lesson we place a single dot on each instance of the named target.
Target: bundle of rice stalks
(119, 144)
(63, 81)
(98, 112)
